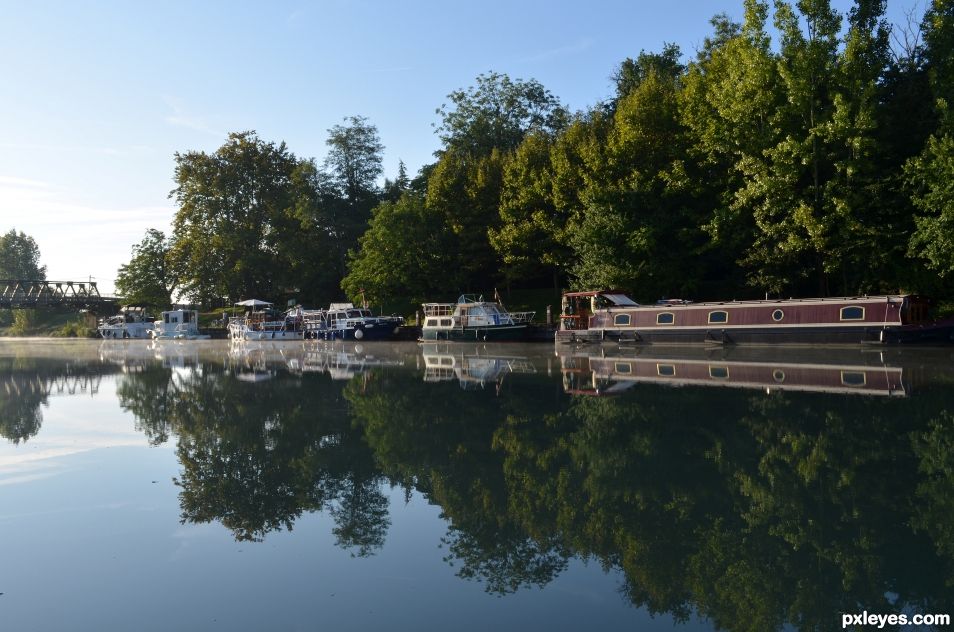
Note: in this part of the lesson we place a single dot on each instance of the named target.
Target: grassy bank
(46, 323)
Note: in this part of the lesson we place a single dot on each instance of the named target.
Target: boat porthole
(778, 315)
(778, 375)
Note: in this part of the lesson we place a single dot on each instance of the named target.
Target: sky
(97, 97)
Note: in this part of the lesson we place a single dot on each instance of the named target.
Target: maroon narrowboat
(612, 315)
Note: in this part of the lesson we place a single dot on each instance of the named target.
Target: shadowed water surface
(292, 486)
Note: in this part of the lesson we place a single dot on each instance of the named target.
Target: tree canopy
(148, 278)
(20, 257)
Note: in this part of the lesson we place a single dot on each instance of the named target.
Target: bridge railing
(31, 293)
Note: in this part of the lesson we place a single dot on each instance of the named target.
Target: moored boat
(472, 318)
(178, 324)
(131, 322)
(344, 321)
(888, 319)
(261, 322)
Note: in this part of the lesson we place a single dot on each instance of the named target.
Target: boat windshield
(359, 313)
(620, 299)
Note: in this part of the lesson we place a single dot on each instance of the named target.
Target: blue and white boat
(344, 321)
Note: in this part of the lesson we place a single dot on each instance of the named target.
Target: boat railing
(520, 318)
(439, 309)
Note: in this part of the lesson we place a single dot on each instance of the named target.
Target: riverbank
(51, 324)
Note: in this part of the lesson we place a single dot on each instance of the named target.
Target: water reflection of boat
(472, 367)
(809, 370)
(340, 360)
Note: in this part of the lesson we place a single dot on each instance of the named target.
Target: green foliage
(248, 221)
(24, 320)
(20, 257)
(496, 114)
(406, 251)
(931, 177)
(148, 278)
(351, 167)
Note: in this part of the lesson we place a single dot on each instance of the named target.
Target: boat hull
(125, 331)
(855, 335)
(361, 333)
(480, 334)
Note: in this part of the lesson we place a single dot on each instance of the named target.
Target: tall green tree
(479, 130)
(497, 113)
(20, 257)
(785, 187)
(930, 175)
(239, 208)
(406, 252)
(640, 225)
(350, 188)
(148, 278)
(728, 102)
(530, 237)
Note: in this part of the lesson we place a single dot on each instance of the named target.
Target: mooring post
(549, 316)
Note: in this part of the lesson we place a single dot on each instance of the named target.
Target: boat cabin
(578, 307)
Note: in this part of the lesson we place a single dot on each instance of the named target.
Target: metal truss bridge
(26, 294)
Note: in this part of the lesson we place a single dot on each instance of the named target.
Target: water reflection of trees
(752, 510)
(26, 385)
(749, 509)
(255, 456)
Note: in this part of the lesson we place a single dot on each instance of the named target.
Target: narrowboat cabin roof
(620, 298)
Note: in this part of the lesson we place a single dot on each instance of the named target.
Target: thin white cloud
(13, 181)
(81, 149)
(559, 52)
(181, 117)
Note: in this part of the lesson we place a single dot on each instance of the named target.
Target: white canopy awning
(253, 302)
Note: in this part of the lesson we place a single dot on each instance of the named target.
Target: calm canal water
(198, 486)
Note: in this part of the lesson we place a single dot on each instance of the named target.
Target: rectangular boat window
(430, 322)
(853, 313)
(665, 318)
(666, 370)
(719, 372)
(165, 318)
(718, 317)
(624, 367)
(621, 320)
(853, 378)
(446, 322)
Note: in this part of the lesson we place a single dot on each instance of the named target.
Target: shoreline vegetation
(798, 152)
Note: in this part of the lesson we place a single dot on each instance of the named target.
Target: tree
(497, 113)
(529, 239)
(148, 278)
(240, 217)
(393, 190)
(930, 175)
(405, 252)
(350, 189)
(640, 223)
(632, 72)
(20, 257)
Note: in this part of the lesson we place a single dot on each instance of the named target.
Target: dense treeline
(816, 163)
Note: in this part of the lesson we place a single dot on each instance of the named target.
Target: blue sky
(96, 97)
